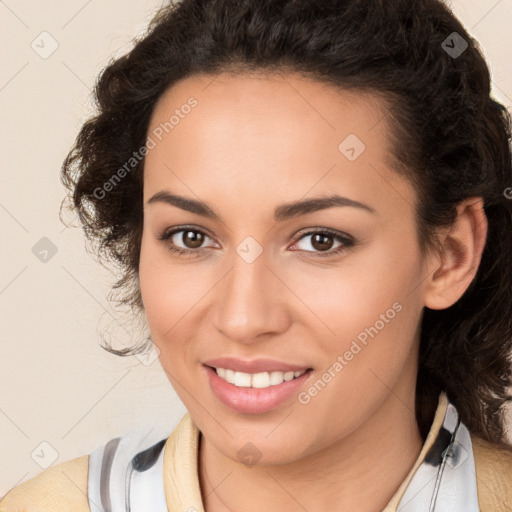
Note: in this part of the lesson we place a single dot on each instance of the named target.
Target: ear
(455, 264)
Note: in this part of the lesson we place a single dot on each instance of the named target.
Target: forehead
(269, 101)
(262, 132)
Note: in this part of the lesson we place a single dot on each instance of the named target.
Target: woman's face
(248, 155)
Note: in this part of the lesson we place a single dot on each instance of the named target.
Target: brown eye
(185, 241)
(192, 239)
(322, 242)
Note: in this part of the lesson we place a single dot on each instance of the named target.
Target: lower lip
(254, 400)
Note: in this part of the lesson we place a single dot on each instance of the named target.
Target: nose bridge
(246, 302)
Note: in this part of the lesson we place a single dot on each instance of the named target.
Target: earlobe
(455, 265)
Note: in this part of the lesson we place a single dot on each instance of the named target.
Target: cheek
(172, 295)
(158, 290)
(365, 339)
(365, 306)
(355, 294)
(163, 311)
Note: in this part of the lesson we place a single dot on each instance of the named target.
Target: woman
(311, 202)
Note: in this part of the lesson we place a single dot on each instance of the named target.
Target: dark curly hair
(450, 138)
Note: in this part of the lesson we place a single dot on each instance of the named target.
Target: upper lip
(254, 366)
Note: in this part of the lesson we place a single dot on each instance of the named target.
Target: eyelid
(312, 231)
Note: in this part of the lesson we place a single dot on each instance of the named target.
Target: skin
(252, 143)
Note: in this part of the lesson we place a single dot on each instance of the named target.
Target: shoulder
(496, 455)
(60, 488)
(493, 464)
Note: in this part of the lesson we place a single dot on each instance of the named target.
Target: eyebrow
(281, 213)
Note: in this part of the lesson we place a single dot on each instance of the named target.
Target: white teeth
(276, 378)
(289, 375)
(260, 380)
(256, 380)
(242, 380)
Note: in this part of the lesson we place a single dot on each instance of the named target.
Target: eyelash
(347, 242)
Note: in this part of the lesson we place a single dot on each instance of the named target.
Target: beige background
(57, 386)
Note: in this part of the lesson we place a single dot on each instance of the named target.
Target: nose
(250, 302)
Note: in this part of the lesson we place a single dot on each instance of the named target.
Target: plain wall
(57, 385)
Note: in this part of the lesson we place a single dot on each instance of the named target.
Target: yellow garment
(60, 488)
(63, 488)
(494, 476)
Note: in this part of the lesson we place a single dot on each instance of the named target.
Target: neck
(360, 472)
